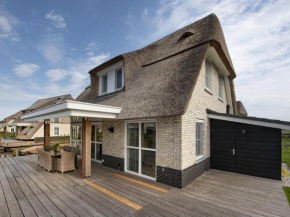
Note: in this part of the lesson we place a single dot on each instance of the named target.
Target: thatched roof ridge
(41, 103)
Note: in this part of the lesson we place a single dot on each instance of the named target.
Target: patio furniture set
(62, 161)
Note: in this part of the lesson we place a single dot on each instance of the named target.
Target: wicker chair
(45, 160)
(66, 162)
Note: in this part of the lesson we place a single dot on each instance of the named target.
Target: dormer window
(111, 79)
(119, 78)
(105, 83)
(185, 35)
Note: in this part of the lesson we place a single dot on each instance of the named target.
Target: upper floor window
(208, 68)
(56, 120)
(105, 83)
(111, 78)
(118, 78)
(221, 86)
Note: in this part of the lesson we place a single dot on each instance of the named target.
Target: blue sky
(48, 47)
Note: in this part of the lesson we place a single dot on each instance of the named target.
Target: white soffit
(15, 125)
(249, 121)
(72, 108)
(213, 55)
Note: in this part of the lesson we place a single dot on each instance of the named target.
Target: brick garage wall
(199, 102)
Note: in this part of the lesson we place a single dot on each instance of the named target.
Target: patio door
(141, 148)
(96, 142)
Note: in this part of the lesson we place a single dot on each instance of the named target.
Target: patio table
(54, 155)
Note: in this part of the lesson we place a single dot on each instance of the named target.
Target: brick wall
(199, 102)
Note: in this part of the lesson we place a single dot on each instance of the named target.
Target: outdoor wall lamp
(111, 129)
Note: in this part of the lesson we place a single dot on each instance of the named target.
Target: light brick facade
(199, 102)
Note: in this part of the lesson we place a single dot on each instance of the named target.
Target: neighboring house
(59, 126)
(152, 111)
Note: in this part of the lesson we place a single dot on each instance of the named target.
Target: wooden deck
(28, 190)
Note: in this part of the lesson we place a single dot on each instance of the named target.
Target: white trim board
(248, 121)
(73, 108)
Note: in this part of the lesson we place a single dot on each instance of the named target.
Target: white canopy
(15, 125)
(72, 108)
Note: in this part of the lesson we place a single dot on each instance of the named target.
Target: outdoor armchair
(66, 162)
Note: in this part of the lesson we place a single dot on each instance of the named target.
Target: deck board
(28, 190)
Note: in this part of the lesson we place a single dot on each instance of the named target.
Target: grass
(286, 155)
(287, 192)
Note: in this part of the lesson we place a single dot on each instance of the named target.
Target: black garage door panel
(257, 149)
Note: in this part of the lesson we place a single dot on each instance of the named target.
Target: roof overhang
(15, 124)
(72, 108)
(250, 120)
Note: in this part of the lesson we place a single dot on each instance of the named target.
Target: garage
(246, 145)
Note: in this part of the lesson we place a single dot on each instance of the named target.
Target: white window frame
(221, 86)
(199, 121)
(54, 131)
(208, 76)
(140, 148)
(74, 133)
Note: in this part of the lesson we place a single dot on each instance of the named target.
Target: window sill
(220, 99)
(199, 159)
(208, 90)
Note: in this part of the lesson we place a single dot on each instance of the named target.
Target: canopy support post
(86, 148)
(46, 128)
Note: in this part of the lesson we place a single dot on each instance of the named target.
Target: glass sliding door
(141, 148)
(76, 137)
(96, 142)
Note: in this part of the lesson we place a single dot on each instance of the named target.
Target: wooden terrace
(28, 190)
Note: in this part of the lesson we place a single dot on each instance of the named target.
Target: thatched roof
(241, 109)
(160, 78)
(42, 103)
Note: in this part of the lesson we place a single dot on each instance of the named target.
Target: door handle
(234, 152)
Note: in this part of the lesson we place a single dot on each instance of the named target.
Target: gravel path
(286, 180)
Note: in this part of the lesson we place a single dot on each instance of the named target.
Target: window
(141, 148)
(56, 131)
(104, 83)
(56, 120)
(221, 86)
(208, 67)
(199, 138)
(118, 78)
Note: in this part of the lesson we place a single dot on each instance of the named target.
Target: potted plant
(55, 147)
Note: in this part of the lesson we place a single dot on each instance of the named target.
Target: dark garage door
(246, 149)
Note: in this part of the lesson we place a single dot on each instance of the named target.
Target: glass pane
(105, 83)
(99, 133)
(93, 133)
(133, 160)
(148, 135)
(73, 132)
(119, 78)
(99, 152)
(148, 163)
(133, 135)
(79, 146)
(73, 144)
(93, 151)
(79, 133)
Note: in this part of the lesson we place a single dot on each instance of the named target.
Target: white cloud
(56, 74)
(56, 20)
(26, 70)
(90, 53)
(92, 46)
(7, 25)
(257, 35)
(53, 49)
(77, 76)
